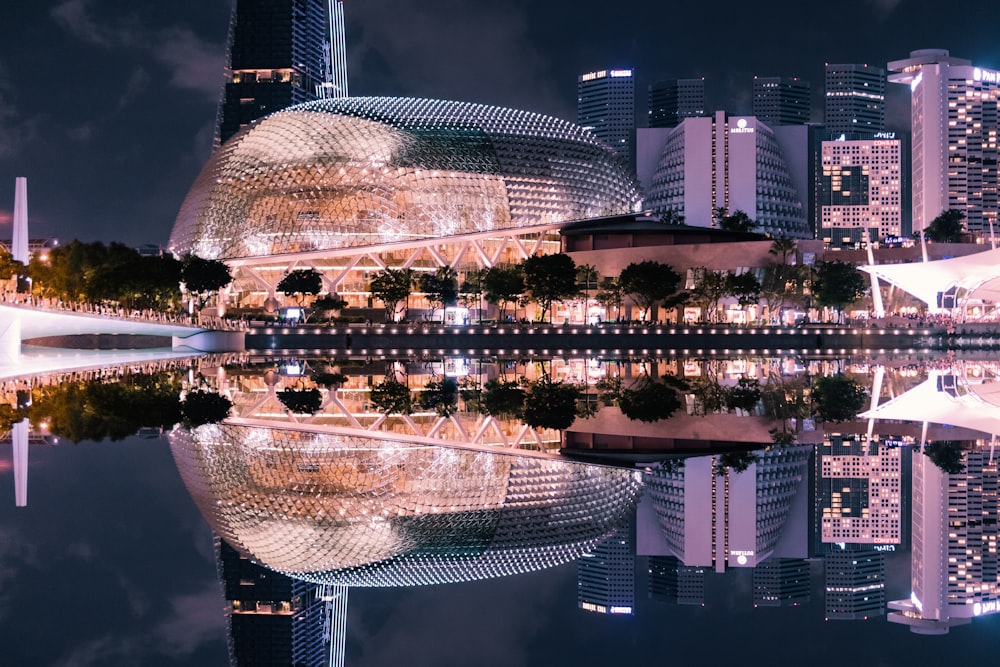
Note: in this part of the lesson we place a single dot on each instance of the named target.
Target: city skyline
(82, 82)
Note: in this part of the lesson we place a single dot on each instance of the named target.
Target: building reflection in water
(309, 504)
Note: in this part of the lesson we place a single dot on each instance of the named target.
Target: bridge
(20, 323)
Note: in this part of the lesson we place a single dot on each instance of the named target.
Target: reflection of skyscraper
(781, 582)
(955, 566)
(606, 575)
(274, 619)
(281, 53)
(673, 582)
(730, 520)
(855, 584)
(859, 491)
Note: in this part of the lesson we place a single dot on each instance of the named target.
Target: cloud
(475, 51)
(194, 63)
(75, 17)
(884, 7)
(14, 131)
(194, 620)
(102, 651)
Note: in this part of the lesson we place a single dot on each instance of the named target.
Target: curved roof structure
(359, 511)
(360, 171)
(977, 274)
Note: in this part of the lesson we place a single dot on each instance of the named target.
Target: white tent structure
(972, 278)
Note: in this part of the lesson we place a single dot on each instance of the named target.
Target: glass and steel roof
(356, 172)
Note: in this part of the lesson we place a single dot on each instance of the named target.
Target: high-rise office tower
(281, 52)
(855, 98)
(673, 582)
(274, 619)
(954, 119)
(781, 100)
(781, 582)
(955, 567)
(672, 101)
(606, 106)
(855, 583)
(606, 575)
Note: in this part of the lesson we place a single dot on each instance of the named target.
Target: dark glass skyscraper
(781, 100)
(670, 102)
(281, 52)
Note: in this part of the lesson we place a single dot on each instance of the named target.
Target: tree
(441, 287)
(610, 295)
(709, 288)
(649, 401)
(744, 396)
(203, 406)
(328, 303)
(586, 278)
(201, 276)
(837, 398)
(549, 278)
(948, 227)
(503, 285)
(440, 395)
(503, 399)
(735, 462)
(391, 286)
(301, 282)
(648, 283)
(744, 286)
(837, 284)
(550, 404)
(471, 290)
(392, 397)
(672, 218)
(946, 455)
(301, 401)
(9, 267)
(739, 221)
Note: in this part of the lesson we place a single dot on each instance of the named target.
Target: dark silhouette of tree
(441, 396)
(441, 287)
(709, 288)
(649, 401)
(610, 295)
(301, 401)
(202, 277)
(391, 287)
(744, 286)
(946, 455)
(672, 218)
(837, 398)
(202, 406)
(329, 379)
(503, 285)
(648, 283)
(549, 278)
(739, 221)
(586, 278)
(300, 282)
(550, 404)
(735, 462)
(503, 399)
(392, 397)
(837, 284)
(948, 227)
(744, 396)
(9, 267)
(471, 290)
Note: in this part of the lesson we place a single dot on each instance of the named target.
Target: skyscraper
(281, 52)
(855, 583)
(954, 119)
(781, 100)
(606, 106)
(606, 575)
(672, 101)
(855, 98)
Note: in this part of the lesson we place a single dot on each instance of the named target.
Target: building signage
(590, 76)
(989, 76)
(987, 607)
(741, 127)
(741, 556)
(621, 72)
(885, 135)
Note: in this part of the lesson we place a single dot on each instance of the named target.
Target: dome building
(362, 511)
(353, 185)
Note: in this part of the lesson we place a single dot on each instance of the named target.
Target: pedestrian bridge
(20, 323)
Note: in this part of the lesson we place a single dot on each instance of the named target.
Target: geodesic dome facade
(358, 171)
(363, 511)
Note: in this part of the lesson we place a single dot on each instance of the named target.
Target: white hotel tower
(954, 123)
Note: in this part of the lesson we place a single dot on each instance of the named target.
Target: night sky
(108, 106)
